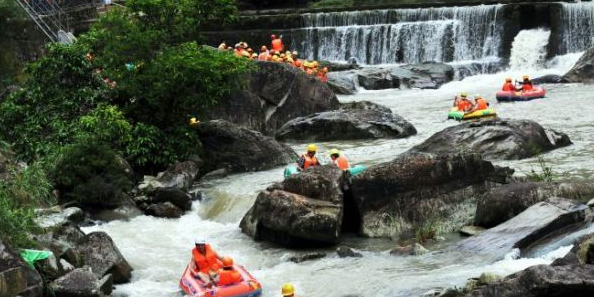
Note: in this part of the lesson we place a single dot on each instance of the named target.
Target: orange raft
(247, 287)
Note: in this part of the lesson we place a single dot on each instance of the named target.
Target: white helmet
(199, 241)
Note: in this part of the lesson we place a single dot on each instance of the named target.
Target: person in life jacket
(228, 275)
(263, 54)
(223, 46)
(479, 104)
(526, 83)
(238, 50)
(508, 86)
(277, 43)
(340, 161)
(322, 74)
(462, 102)
(205, 262)
(288, 290)
(309, 158)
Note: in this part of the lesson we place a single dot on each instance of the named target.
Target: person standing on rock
(309, 159)
(206, 262)
(277, 43)
(340, 161)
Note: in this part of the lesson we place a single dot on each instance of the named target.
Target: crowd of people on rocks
(277, 53)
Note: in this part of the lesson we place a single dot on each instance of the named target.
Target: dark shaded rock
(401, 195)
(98, 251)
(177, 197)
(345, 251)
(418, 250)
(505, 202)
(81, 282)
(549, 79)
(275, 93)
(498, 140)
(530, 226)
(346, 124)
(543, 281)
(342, 83)
(581, 253)
(430, 75)
(180, 175)
(239, 149)
(325, 183)
(49, 268)
(121, 213)
(307, 257)
(402, 250)
(61, 240)
(375, 79)
(164, 210)
(16, 276)
(583, 70)
(471, 230)
(365, 105)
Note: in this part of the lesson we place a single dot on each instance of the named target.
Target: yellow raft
(455, 114)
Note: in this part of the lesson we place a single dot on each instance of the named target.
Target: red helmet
(272, 36)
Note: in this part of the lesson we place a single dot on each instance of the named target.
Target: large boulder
(542, 281)
(365, 105)
(583, 70)
(82, 282)
(98, 251)
(429, 75)
(347, 124)
(306, 209)
(496, 140)
(274, 94)
(239, 149)
(16, 276)
(396, 197)
(164, 210)
(62, 240)
(343, 82)
(533, 224)
(503, 203)
(581, 253)
(180, 175)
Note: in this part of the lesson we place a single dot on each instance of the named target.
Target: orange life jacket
(508, 87)
(263, 56)
(313, 161)
(277, 45)
(463, 105)
(342, 163)
(482, 104)
(527, 87)
(207, 261)
(228, 277)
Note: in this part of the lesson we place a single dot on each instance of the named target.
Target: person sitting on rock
(263, 54)
(205, 262)
(526, 83)
(228, 275)
(309, 158)
(479, 104)
(322, 74)
(223, 46)
(508, 86)
(340, 161)
(288, 290)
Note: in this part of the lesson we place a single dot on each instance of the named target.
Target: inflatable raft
(455, 114)
(509, 96)
(353, 170)
(247, 287)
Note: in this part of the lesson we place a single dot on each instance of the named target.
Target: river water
(159, 249)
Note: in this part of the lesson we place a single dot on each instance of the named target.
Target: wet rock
(98, 251)
(487, 278)
(495, 140)
(16, 276)
(57, 217)
(325, 183)
(418, 250)
(590, 203)
(180, 175)
(583, 70)
(503, 203)
(342, 83)
(365, 105)
(49, 268)
(82, 282)
(61, 240)
(541, 281)
(177, 197)
(375, 79)
(528, 227)
(549, 79)
(435, 73)
(346, 124)
(400, 196)
(471, 230)
(581, 253)
(307, 257)
(121, 213)
(345, 251)
(402, 250)
(274, 94)
(164, 210)
(239, 149)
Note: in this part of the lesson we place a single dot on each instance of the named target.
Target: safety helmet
(288, 290)
(508, 79)
(199, 241)
(194, 121)
(315, 63)
(290, 60)
(478, 96)
(312, 148)
(237, 45)
(254, 55)
(263, 48)
(295, 53)
(245, 54)
(250, 50)
(272, 36)
(334, 152)
(282, 55)
(463, 94)
(227, 262)
(525, 77)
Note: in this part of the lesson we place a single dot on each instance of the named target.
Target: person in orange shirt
(526, 83)
(205, 262)
(508, 86)
(322, 74)
(277, 43)
(309, 159)
(479, 104)
(462, 102)
(228, 275)
(340, 161)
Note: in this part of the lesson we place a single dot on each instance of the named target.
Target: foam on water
(529, 50)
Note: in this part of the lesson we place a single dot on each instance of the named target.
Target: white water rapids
(159, 249)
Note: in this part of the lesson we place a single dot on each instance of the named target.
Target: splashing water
(529, 50)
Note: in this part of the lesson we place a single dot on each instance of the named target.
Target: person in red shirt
(526, 83)
(228, 275)
(508, 86)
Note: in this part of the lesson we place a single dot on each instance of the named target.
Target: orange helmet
(227, 262)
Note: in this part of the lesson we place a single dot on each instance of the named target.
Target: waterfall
(529, 50)
(578, 27)
(403, 35)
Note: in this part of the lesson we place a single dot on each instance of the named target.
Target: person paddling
(526, 83)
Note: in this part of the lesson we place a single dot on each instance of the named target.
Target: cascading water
(529, 50)
(403, 35)
(577, 27)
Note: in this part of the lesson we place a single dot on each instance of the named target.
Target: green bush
(91, 174)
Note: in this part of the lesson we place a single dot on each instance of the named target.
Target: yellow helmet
(334, 152)
(508, 79)
(315, 64)
(478, 96)
(312, 148)
(525, 77)
(463, 94)
(194, 122)
(288, 289)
